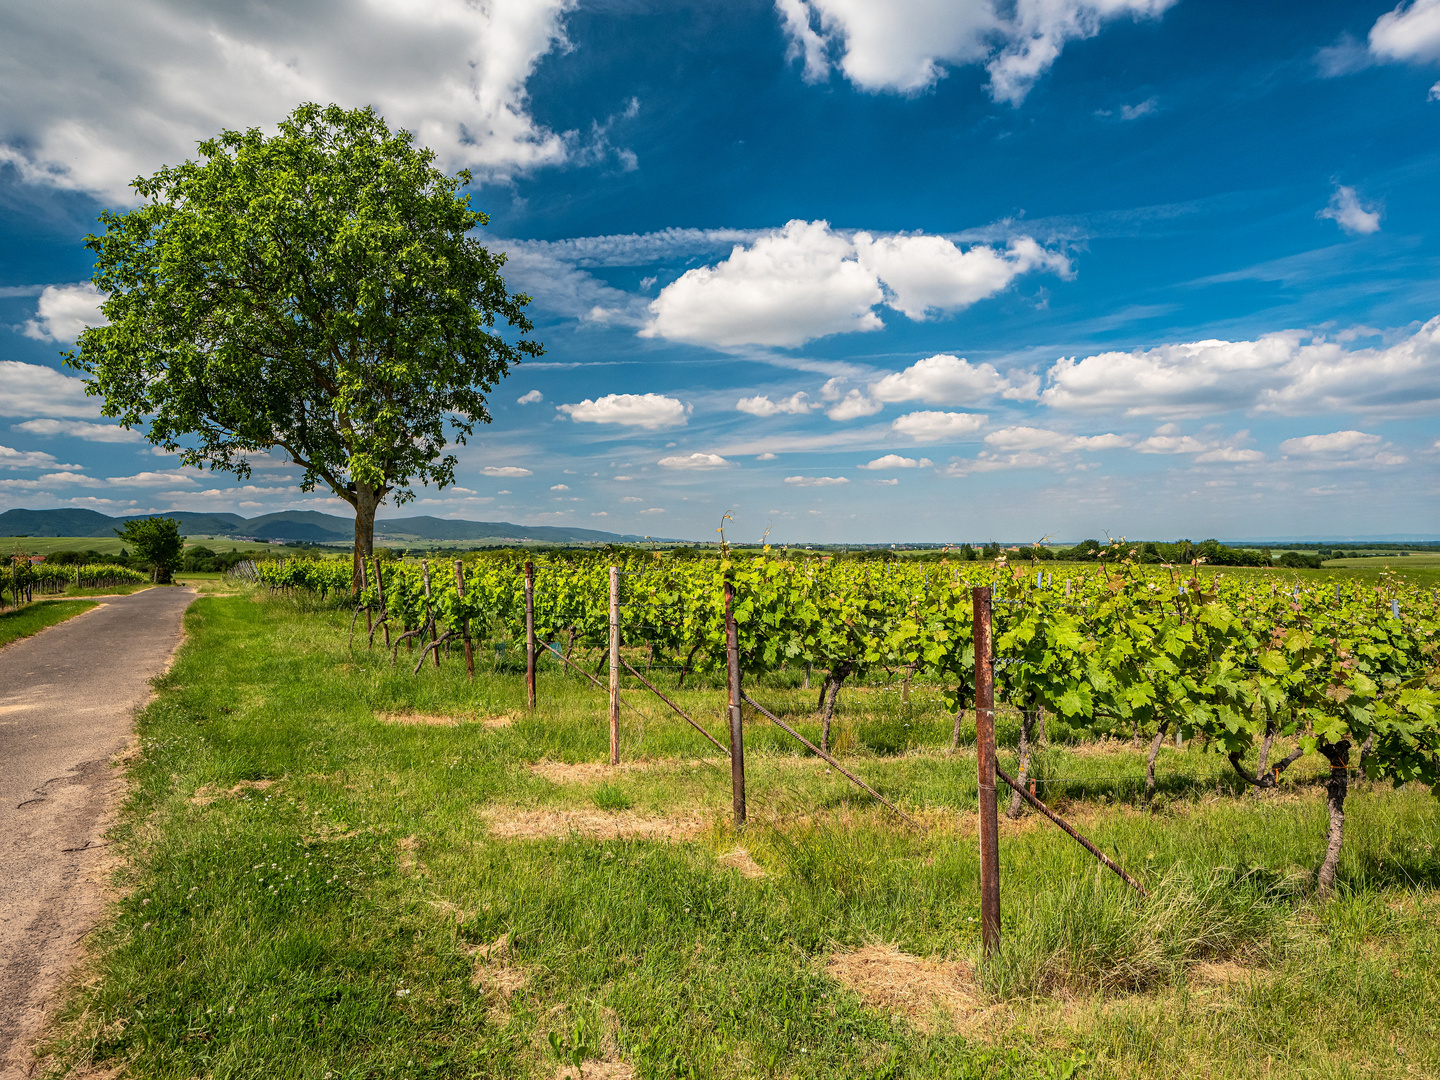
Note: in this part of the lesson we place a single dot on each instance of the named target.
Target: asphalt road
(67, 701)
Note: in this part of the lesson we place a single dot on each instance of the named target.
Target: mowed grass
(17, 623)
(335, 869)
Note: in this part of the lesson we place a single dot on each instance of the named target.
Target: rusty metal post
(985, 763)
(614, 665)
(530, 632)
(737, 730)
(464, 623)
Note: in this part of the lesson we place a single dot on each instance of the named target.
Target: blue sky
(852, 270)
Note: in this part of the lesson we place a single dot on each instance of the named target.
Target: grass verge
(32, 618)
(335, 868)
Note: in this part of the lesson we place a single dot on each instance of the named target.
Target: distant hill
(301, 526)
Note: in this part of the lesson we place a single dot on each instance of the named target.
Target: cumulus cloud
(154, 479)
(928, 275)
(1289, 372)
(806, 281)
(816, 481)
(936, 426)
(505, 470)
(99, 93)
(1012, 439)
(695, 461)
(649, 411)
(1409, 33)
(1342, 450)
(654, 510)
(949, 380)
(531, 398)
(36, 390)
(855, 404)
(63, 311)
(895, 461)
(559, 487)
(906, 46)
(81, 429)
(11, 458)
(1337, 442)
(797, 404)
(787, 288)
(1347, 211)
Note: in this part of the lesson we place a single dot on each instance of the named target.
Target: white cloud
(1342, 449)
(649, 411)
(695, 461)
(1434, 93)
(895, 461)
(505, 470)
(949, 380)
(1017, 438)
(156, 479)
(935, 426)
(787, 288)
(854, 405)
(600, 513)
(1409, 33)
(11, 458)
(1350, 214)
(890, 482)
(1290, 372)
(767, 456)
(559, 487)
(81, 429)
(797, 403)
(905, 46)
(530, 398)
(929, 274)
(816, 481)
(654, 510)
(63, 311)
(1148, 107)
(806, 281)
(36, 390)
(99, 92)
(1337, 442)
(1232, 455)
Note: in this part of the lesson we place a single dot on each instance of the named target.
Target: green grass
(310, 892)
(32, 618)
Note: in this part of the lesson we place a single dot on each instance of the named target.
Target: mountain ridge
(300, 526)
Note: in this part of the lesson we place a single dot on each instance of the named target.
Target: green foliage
(318, 291)
(158, 544)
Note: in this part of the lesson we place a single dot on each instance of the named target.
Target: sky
(846, 270)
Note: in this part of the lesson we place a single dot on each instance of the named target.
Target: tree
(157, 542)
(317, 291)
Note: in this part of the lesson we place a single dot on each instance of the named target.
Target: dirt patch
(208, 793)
(739, 859)
(430, 720)
(594, 824)
(596, 1070)
(912, 986)
(406, 862)
(495, 969)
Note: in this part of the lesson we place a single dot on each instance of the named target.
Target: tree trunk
(905, 686)
(1336, 787)
(1265, 745)
(366, 502)
(1027, 730)
(1365, 749)
(837, 676)
(1150, 761)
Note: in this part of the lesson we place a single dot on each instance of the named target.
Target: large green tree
(318, 291)
(157, 542)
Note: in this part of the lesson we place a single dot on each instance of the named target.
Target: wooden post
(737, 730)
(365, 586)
(380, 594)
(429, 617)
(985, 762)
(614, 665)
(464, 623)
(530, 632)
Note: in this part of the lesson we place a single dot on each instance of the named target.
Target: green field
(44, 545)
(333, 868)
(32, 618)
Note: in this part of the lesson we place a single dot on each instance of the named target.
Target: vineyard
(24, 580)
(1250, 667)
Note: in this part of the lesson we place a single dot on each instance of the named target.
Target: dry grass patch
(495, 969)
(581, 772)
(410, 719)
(208, 793)
(512, 824)
(596, 1070)
(740, 859)
(912, 986)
